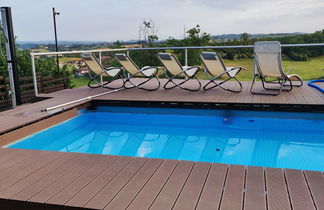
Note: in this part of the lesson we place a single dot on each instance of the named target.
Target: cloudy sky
(110, 20)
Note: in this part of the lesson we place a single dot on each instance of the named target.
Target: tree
(147, 33)
(196, 38)
(244, 37)
(117, 44)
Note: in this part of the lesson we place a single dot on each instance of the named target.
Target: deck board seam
(132, 159)
(287, 188)
(51, 182)
(144, 185)
(16, 162)
(244, 187)
(265, 189)
(223, 187)
(184, 184)
(166, 181)
(202, 189)
(127, 182)
(45, 202)
(45, 163)
(108, 166)
(309, 190)
(27, 186)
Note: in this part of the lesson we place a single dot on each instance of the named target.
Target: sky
(111, 20)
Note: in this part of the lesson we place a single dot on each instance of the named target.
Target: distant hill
(35, 44)
(237, 36)
(67, 44)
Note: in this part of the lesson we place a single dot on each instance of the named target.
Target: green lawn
(80, 81)
(308, 70)
(66, 59)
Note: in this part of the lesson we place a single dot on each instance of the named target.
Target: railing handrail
(168, 48)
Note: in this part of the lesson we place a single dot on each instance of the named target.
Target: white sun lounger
(268, 65)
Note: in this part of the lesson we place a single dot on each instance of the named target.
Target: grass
(308, 70)
(66, 59)
(80, 81)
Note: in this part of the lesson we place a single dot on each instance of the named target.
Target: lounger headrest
(165, 56)
(121, 57)
(209, 56)
(267, 47)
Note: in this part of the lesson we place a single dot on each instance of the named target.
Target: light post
(56, 45)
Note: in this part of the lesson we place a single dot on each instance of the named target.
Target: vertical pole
(11, 55)
(56, 45)
(186, 57)
(100, 61)
(34, 75)
(127, 53)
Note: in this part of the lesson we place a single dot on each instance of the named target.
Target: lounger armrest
(190, 70)
(232, 71)
(237, 67)
(148, 70)
(148, 67)
(112, 68)
(112, 71)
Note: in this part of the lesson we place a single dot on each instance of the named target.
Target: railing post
(34, 75)
(100, 61)
(186, 56)
(127, 53)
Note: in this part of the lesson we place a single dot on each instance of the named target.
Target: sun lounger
(268, 68)
(173, 70)
(215, 70)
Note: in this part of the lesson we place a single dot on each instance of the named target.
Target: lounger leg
(296, 85)
(279, 82)
(170, 80)
(150, 78)
(105, 85)
(215, 84)
(93, 80)
(263, 81)
(128, 80)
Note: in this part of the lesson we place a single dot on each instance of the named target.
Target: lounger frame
(129, 76)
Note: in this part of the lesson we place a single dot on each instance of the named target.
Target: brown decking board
(58, 180)
(255, 197)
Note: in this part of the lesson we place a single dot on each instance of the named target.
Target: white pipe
(34, 75)
(186, 57)
(79, 100)
(100, 61)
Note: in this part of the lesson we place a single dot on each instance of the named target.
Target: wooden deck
(31, 179)
(28, 113)
(35, 180)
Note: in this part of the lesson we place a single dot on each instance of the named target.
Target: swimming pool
(254, 138)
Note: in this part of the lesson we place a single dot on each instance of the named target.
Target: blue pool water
(269, 139)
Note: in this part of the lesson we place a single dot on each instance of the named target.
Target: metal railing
(33, 55)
